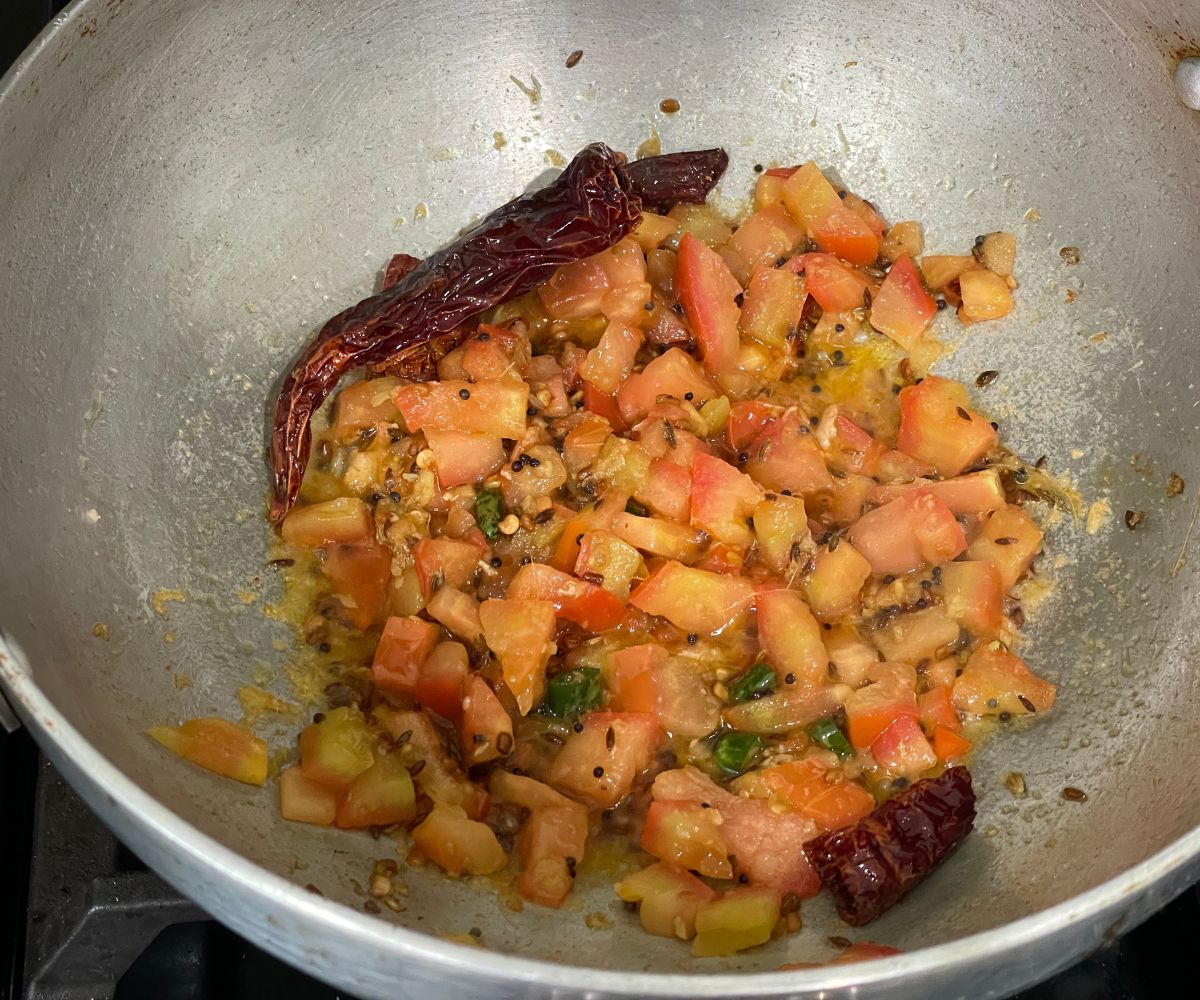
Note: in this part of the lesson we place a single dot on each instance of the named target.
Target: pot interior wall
(188, 189)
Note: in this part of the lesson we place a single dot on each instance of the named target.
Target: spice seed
(573, 58)
(1133, 518)
(610, 738)
(417, 768)
(984, 379)
(669, 106)
(1027, 704)
(1072, 794)
(963, 414)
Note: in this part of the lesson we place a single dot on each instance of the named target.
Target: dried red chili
(868, 867)
(590, 206)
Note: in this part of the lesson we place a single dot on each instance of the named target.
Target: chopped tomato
(915, 530)
(363, 406)
(604, 405)
(660, 437)
(337, 749)
(405, 644)
(546, 375)
(764, 238)
(575, 291)
(586, 604)
(490, 355)
(995, 681)
(687, 836)
(673, 373)
(439, 776)
(769, 187)
(739, 919)
(598, 517)
(834, 586)
(458, 612)
(550, 844)
(359, 576)
(219, 746)
(609, 363)
(668, 490)
(492, 407)
(836, 286)
(600, 768)
(747, 418)
(706, 290)
(902, 749)
(653, 230)
(790, 636)
(344, 521)
(850, 654)
(1010, 541)
(814, 203)
(445, 561)
(846, 445)
(458, 845)
(723, 500)
(937, 427)
(902, 308)
(302, 800)
(871, 709)
(583, 443)
(785, 456)
(813, 786)
(631, 676)
(694, 599)
(667, 900)
(973, 495)
(722, 558)
(486, 728)
(658, 537)
(773, 306)
(782, 532)
(767, 846)
(937, 709)
(984, 296)
(948, 745)
(440, 680)
(864, 951)
(381, 796)
(521, 634)
(974, 596)
(608, 562)
(793, 707)
(917, 635)
(460, 458)
(865, 211)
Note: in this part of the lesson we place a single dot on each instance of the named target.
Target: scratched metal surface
(188, 189)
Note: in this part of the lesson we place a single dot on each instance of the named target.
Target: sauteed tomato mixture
(646, 525)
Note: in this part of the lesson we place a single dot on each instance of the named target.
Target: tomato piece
(949, 746)
(521, 634)
(1010, 541)
(995, 681)
(773, 306)
(706, 290)
(599, 517)
(694, 599)
(785, 456)
(793, 707)
(851, 655)
(668, 490)
(687, 709)
(604, 405)
(460, 458)
(912, 531)
(631, 676)
(493, 407)
(575, 291)
(847, 446)
(359, 576)
(834, 587)
(302, 800)
(609, 563)
(871, 709)
(550, 844)
(658, 537)
(865, 211)
(673, 373)
(381, 796)
(458, 613)
(589, 606)
(902, 308)
(768, 188)
(722, 500)
(782, 532)
(764, 238)
(457, 844)
(836, 286)
(917, 635)
(667, 900)
(985, 296)
(404, 645)
(610, 362)
(343, 521)
(739, 919)
(768, 846)
(864, 951)
(790, 636)
(660, 437)
(547, 386)
(486, 729)
(937, 709)
(974, 596)
(439, 777)
(440, 680)
(813, 786)
(653, 231)
(974, 495)
(445, 562)
(903, 239)
(363, 406)
(337, 749)
(747, 418)
(686, 836)
(491, 354)
(814, 203)
(902, 749)
(584, 441)
(217, 745)
(589, 768)
(937, 427)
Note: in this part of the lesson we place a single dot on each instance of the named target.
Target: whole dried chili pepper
(595, 202)
(868, 867)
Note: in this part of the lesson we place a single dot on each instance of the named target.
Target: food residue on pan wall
(1099, 513)
(532, 90)
(160, 598)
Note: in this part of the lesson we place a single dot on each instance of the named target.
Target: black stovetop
(81, 918)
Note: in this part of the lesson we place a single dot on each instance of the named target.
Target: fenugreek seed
(1027, 704)
(963, 414)
(610, 738)
(573, 58)
(1072, 794)
(417, 768)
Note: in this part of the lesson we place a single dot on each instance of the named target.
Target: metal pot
(190, 187)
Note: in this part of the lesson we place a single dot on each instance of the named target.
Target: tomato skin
(864, 951)
(973, 495)
(631, 676)
(747, 418)
(603, 405)
(847, 446)
(809, 786)
(668, 491)
(686, 836)
(440, 680)
(521, 634)
(937, 710)
(635, 736)
(706, 290)
(912, 531)
(218, 746)
(933, 427)
(658, 537)
(902, 308)
(405, 644)
(359, 575)
(693, 599)
(446, 561)
(482, 715)
(949, 745)
(814, 203)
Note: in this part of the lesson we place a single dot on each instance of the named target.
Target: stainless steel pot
(190, 187)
